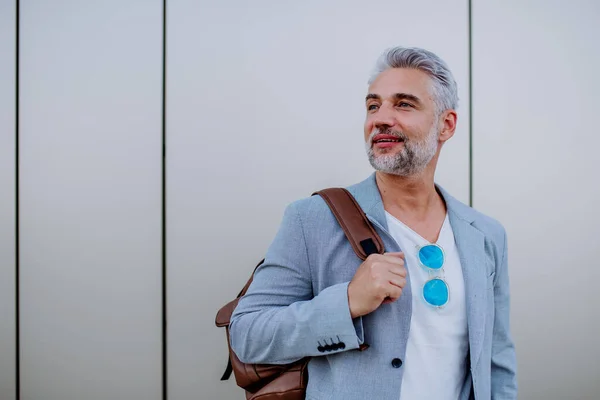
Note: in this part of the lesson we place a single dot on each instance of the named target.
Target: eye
(372, 107)
(404, 105)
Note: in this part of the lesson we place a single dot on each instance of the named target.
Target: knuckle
(371, 273)
(373, 257)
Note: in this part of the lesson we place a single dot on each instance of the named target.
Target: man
(434, 309)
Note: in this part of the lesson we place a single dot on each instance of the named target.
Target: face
(402, 127)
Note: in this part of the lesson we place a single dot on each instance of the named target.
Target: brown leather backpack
(288, 382)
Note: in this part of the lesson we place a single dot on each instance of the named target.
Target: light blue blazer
(297, 305)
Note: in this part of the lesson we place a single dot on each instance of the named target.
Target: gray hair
(444, 86)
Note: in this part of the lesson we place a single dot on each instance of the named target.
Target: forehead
(402, 80)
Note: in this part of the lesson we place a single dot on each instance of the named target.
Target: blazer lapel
(470, 243)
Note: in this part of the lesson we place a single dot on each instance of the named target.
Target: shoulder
(490, 226)
(309, 210)
(314, 214)
(493, 230)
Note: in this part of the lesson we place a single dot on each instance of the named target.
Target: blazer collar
(368, 197)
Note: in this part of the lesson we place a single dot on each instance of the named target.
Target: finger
(391, 298)
(393, 293)
(398, 282)
(393, 260)
(399, 271)
(397, 254)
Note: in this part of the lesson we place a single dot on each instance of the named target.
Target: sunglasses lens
(431, 256)
(435, 292)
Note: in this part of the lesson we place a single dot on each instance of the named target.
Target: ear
(448, 125)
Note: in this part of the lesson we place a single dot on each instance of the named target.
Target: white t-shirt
(435, 362)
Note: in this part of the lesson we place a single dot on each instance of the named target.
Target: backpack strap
(352, 219)
(224, 315)
(228, 370)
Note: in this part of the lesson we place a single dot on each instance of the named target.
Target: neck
(415, 196)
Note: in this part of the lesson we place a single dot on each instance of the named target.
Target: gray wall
(7, 199)
(253, 91)
(536, 168)
(90, 199)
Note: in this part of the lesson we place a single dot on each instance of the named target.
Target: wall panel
(7, 199)
(535, 88)
(91, 100)
(265, 104)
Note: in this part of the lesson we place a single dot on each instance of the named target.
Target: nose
(383, 118)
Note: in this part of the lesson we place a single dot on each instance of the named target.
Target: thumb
(398, 254)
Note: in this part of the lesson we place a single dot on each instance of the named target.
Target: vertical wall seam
(164, 211)
(470, 11)
(17, 244)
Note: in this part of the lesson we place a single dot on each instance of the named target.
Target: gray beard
(411, 160)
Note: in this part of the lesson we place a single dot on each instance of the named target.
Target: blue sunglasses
(435, 290)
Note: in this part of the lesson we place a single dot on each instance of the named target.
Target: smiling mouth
(398, 140)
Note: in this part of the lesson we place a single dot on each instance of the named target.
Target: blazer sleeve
(279, 320)
(503, 380)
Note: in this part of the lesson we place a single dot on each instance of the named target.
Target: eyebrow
(396, 96)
